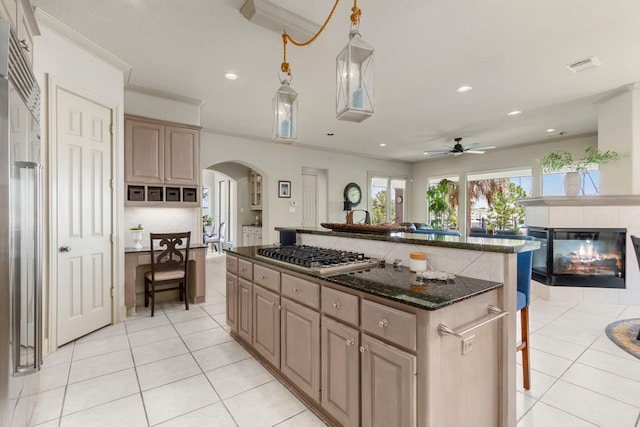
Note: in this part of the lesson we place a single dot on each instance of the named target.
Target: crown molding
(48, 21)
(165, 95)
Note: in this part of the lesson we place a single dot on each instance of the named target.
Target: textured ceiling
(513, 54)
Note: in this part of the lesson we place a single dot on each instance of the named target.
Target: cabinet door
(300, 347)
(144, 152)
(245, 310)
(232, 302)
(388, 385)
(340, 372)
(181, 156)
(266, 324)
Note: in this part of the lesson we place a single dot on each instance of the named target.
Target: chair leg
(524, 329)
(146, 293)
(153, 298)
(186, 295)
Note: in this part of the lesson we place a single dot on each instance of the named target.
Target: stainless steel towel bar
(497, 314)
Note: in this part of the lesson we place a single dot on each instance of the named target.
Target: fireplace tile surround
(611, 211)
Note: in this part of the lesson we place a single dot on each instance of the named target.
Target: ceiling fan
(458, 149)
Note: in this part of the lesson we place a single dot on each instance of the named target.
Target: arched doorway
(229, 191)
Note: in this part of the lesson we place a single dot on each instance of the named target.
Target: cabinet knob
(296, 290)
(24, 45)
(383, 323)
(336, 306)
(350, 341)
(263, 277)
(364, 348)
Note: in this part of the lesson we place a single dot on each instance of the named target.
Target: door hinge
(111, 128)
(112, 292)
(111, 184)
(111, 238)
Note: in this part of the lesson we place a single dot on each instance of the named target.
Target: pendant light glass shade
(355, 80)
(285, 110)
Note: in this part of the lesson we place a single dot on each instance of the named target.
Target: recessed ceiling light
(463, 89)
(551, 130)
(231, 76)
(426, 153)
(514, 113)
(383, 145)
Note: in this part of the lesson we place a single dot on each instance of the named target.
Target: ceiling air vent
(584, 64)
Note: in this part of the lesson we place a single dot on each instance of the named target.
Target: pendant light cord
(355, 16)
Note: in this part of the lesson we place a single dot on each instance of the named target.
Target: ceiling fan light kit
(354, 82)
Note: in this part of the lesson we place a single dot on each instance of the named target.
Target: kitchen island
(369, 347)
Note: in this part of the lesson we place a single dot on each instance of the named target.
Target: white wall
(286, 162)
(69, 64)
(161, 107)
(495, 160)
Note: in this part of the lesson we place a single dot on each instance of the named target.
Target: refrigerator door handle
(35, 355)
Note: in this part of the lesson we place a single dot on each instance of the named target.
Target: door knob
(65, 249)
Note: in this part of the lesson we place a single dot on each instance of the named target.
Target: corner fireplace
(581, 257)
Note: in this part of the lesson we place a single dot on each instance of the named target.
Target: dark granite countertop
(129, 250)
(392, 283)
(455, 242)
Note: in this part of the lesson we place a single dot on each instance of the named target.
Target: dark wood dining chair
(169, 260)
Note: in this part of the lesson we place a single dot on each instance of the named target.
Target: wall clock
(352, 193)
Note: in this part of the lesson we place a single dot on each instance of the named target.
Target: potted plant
(136, 234)
(560, 160)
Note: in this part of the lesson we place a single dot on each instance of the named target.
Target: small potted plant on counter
(561, 160)
(136, 234)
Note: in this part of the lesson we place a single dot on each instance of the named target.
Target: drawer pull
(263, 277)
(350, 341)
(296, 290)
(497, 314)
(336, 306)
(364, 348)
(383, 323)
(25, 45)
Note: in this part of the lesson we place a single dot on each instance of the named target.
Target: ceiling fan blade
(458, 154)
(473, 152)
(488, 147)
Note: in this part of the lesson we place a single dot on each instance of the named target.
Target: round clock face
(352, 193)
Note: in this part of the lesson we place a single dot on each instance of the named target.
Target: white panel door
(309, 205)
(83, 138)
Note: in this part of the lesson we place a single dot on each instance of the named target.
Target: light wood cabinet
(266, 324)
(251, 235)
(157, 152)
(245, 310)
(340, 372)
(255, 191)
(232, 302)
(161, 163)
(300, 347)
(388, 389)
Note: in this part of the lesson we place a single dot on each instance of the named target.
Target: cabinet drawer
(232, 264)
(340, 305)
(389, 323)
(301, 290)
(266, 277)
(245, 269)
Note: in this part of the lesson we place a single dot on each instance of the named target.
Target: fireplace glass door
(580, 257)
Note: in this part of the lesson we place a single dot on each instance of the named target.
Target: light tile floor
(182, 369)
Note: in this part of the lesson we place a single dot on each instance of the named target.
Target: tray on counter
(365, 228)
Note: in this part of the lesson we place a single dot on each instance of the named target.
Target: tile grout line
(135, 369)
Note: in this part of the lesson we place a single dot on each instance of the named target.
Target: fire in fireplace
(580, 257)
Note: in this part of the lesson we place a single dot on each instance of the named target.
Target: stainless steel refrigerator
(21, 239)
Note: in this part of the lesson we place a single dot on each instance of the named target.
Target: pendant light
(355, 75)
(355, 82)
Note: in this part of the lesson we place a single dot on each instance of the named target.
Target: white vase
(137, 238)
(572, 183)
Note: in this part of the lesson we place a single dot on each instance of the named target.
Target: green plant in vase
(562, 160)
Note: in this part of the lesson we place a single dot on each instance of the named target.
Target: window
(553, 183)
(442, 202)
(387, 199)
(481, 188)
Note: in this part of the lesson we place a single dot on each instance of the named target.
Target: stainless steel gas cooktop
(319, 260)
